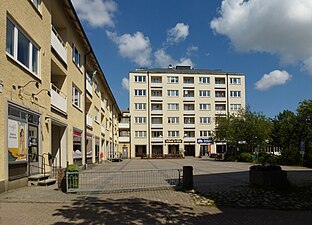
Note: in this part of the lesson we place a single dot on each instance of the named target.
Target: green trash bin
(72, 175)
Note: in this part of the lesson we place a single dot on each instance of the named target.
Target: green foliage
(72, 168)
(245, 157)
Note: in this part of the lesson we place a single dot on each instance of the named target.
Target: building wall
(186, 144)
(56, 75)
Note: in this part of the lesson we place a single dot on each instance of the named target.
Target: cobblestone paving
(45, 205)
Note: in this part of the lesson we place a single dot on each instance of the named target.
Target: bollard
(187, 177)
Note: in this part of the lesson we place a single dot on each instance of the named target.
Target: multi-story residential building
(55, 103)
(173, 110)
(124, 134)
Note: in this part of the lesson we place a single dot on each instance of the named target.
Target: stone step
(46, 182)
(38, 177)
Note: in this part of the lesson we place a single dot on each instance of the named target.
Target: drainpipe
(85, 101)
(148, 115)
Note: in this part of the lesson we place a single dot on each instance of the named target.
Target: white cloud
(136, 47)
(275, 26)
(178, 33)
(125, 83)
(274, 78)
(97, 13)
(191, 50)
(163, 59)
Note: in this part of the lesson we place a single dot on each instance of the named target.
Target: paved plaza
(46, 205)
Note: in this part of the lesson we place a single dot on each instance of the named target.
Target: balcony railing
(189, 98)
(189, 112)
(220, 85)
(157, 112)
(156, 85)
(220, 99)
(124, 125)
(89, 121)
(189, 139)
(189, 125)
(157, 125)
(102, 129)
(189, 85)
(58, 99)
(156, 98)
(157, 139)
(220, 112)
(124, 139)
(89, 85)
(58, 45)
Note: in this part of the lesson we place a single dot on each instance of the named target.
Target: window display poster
(17, 141)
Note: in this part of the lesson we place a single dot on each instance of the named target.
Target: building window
(157, 120)
(235, 81)
(19, 46)
(156, 80)
(204, 93)
(173, 133)
(36, 3)
(235, 94)
(188, 80)
(173, 93)
(173, 80)
(140, 120)
(235, 107)
(156, 93)
(173, 120)
(173, 106)
(76, 97)
(141, 79)
(204, 107)
(140, 92)
(76, 56)
(140, 134)
(205, 133)
(189, 107)
(157, 134)
(204, 80)
(156, 107)
(189, 120)
(204, 120)
(96, 114)
(140, 106)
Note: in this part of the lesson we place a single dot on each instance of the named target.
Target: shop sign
(204, 140)
(173, 141)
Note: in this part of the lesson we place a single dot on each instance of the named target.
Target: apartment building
(173, 110)
(55, 104)
(124, 149)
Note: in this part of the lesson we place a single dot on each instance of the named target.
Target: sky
(269, 41)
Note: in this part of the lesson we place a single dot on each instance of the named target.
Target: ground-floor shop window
(77, 150)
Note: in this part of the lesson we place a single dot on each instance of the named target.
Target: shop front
(23, 142)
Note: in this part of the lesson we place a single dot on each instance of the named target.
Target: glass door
(33, 150)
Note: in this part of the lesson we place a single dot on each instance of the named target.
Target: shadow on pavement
(92, 210)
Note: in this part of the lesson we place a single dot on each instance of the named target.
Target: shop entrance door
(33, 150)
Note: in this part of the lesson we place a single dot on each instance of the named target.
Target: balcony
(124, 126)
(222, 86)
(189, 125)
(89, 121)
(58, 45)
(189, 85)
(124, 139)
(188, 98)
(220, 99)
(189, 139)
(157, 139)
(103, 105)
(58, 99)
(89, 85)
(157, 125)
(220, 112)
(156, 85)
(189, 112)
(156, 98)
(102, 129)
(157, 112)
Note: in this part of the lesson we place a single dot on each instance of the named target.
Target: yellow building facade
(55, 104)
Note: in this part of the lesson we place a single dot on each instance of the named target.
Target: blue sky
(269, 41)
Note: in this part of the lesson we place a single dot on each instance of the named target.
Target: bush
(245, 157)
(265, 168)
(72, 168)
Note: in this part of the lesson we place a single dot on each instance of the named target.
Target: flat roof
(185, 71)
